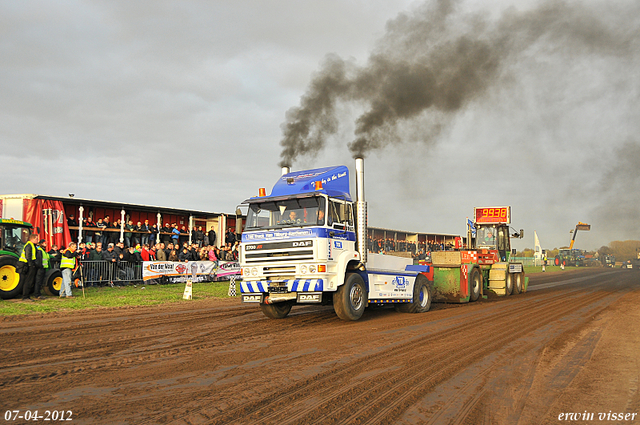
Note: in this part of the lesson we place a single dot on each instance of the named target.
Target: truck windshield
(486, 237)
(286, 213)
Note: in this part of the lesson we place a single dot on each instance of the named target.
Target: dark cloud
(618, 191)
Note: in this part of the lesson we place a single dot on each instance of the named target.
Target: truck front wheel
(350, 299)
(10, 282)
(277, 310)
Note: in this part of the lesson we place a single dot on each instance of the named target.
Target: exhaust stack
(361, 211)
(286, 170)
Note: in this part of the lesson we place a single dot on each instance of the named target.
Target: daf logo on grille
(303, 243)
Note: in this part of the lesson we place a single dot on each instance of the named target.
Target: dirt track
(570, 344)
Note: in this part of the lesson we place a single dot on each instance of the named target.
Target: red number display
(493, 215)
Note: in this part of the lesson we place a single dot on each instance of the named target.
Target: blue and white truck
(306, 243)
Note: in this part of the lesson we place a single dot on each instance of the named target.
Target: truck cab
(297, 242)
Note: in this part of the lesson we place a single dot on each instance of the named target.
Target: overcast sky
(183, 104)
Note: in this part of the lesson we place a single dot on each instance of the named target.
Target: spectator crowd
(122, 248)
(418, 250)
(106, 231)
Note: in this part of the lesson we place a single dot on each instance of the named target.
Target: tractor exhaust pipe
(361, 211)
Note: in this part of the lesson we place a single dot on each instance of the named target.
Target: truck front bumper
(275, 297)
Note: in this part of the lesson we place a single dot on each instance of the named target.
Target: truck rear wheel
(53, 282)
(10, 282)
(350, 299)
(422, 296)
(509, 284)
(517, 283)
(277, 310)
(475, 281)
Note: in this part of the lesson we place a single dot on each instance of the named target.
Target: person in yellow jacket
(27, 266)
(67, 264)
(42, 264)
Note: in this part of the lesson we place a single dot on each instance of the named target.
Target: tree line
(622, 250)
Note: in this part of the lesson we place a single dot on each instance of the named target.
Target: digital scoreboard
(492, 215)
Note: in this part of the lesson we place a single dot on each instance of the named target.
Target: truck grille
(279, 272)
(280, 256)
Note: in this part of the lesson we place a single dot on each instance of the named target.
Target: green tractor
(13, 235)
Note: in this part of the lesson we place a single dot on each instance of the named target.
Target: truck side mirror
(521, 233)
(513, 252)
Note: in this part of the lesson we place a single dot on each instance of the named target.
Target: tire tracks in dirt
(307, 409)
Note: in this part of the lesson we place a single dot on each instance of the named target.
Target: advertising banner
(197, 271)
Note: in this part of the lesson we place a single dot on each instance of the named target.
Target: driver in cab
(489, 239)
(291, 218)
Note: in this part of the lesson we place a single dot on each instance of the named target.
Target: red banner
(48, 220)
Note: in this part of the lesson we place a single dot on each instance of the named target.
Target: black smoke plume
(433, 62)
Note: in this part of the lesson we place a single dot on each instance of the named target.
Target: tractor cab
(13, 235)
(494, 237)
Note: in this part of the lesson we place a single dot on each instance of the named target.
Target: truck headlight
(303, 269)
(312, 269)
(254, 271)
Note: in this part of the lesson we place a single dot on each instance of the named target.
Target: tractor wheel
(53, 282)
(422, 296)
(476, 284)
(517, 283)
(277, 310)
(557, 261)
(350, 299)
(509, 284)
(10, 282)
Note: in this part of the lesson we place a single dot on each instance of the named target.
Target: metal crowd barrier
(103, 273)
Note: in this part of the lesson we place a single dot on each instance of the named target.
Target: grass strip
(118, 296)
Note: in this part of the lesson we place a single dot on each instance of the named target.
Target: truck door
(341, 215)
